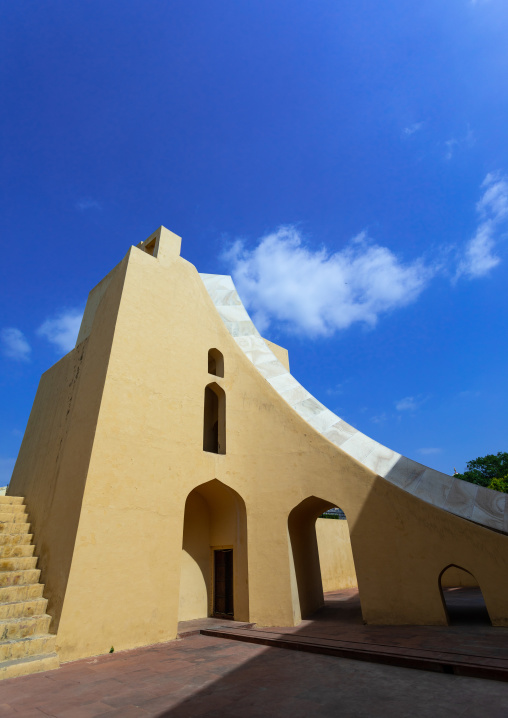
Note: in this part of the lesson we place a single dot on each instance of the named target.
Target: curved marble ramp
(475, 503)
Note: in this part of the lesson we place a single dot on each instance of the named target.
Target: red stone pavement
(208, 676)
(470, 631)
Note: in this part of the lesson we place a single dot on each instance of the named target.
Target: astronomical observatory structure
(172, 468)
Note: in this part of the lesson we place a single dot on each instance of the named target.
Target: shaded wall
(337, 564)
(52, 466)
(196, 570)
(335, 555)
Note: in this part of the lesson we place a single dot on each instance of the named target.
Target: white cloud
(479, 255)
(336, 390)
(411, 129)
(62, 330)
(318, 293)
(406, 404)
(87, 203)
(468, 394)
(410, 403)
(14, 345)
(6, 467)
(430, 451)
(450, 146)
(456, 143)
(494, 202)
(283, 280)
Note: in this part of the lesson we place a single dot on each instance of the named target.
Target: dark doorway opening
(305, 560)
(223, 583)
(462, 598)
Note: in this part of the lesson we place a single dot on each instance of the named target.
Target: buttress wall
(52, 465)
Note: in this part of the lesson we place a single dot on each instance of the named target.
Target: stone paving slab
(471, 632)
(440, 661)
(217, 678)
(470, 647)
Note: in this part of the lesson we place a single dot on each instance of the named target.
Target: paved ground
(217, 678)
(470, 630)
(201, 676)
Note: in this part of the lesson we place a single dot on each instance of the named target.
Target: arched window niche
(215, 363)
(214, 419)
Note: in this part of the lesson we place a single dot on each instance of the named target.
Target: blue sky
(346, 162)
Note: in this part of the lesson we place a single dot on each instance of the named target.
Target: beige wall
(337, 564)
(335, 555)
(196, 569)
(281, 353)
(52, 466)
(113, 449)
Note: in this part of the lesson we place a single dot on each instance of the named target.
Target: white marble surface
(461, 498)
(482, 506)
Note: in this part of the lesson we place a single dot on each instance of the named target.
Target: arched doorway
(462, 597)
(213, 577)
(321, 558)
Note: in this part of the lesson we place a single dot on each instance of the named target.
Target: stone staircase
(26, 646)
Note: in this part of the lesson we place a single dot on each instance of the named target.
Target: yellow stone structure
(172, 468)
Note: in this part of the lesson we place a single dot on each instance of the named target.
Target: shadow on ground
(219, 678)
(279, 682)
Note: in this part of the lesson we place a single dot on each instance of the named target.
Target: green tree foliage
(490, 471)
(499, 485)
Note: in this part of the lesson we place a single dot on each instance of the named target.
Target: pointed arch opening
(321, 557)
(213, 574)
(215, 362)
(462, 597)
(214, 419)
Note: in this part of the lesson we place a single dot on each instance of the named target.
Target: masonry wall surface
(335, 555)
(337, 564)
(133, 454)
(52, 465)
(196, 568)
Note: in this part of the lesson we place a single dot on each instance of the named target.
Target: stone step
(11, 500)
(15, 539)
(23, 609)
(28, 665)
(13, 578)
(16, 550)
(18, 563)
(25, 645)
(472, 664)
(23, 627)
(13, 518)
(31, 646)
(21, 592)
(12, 508)
(14, 528)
